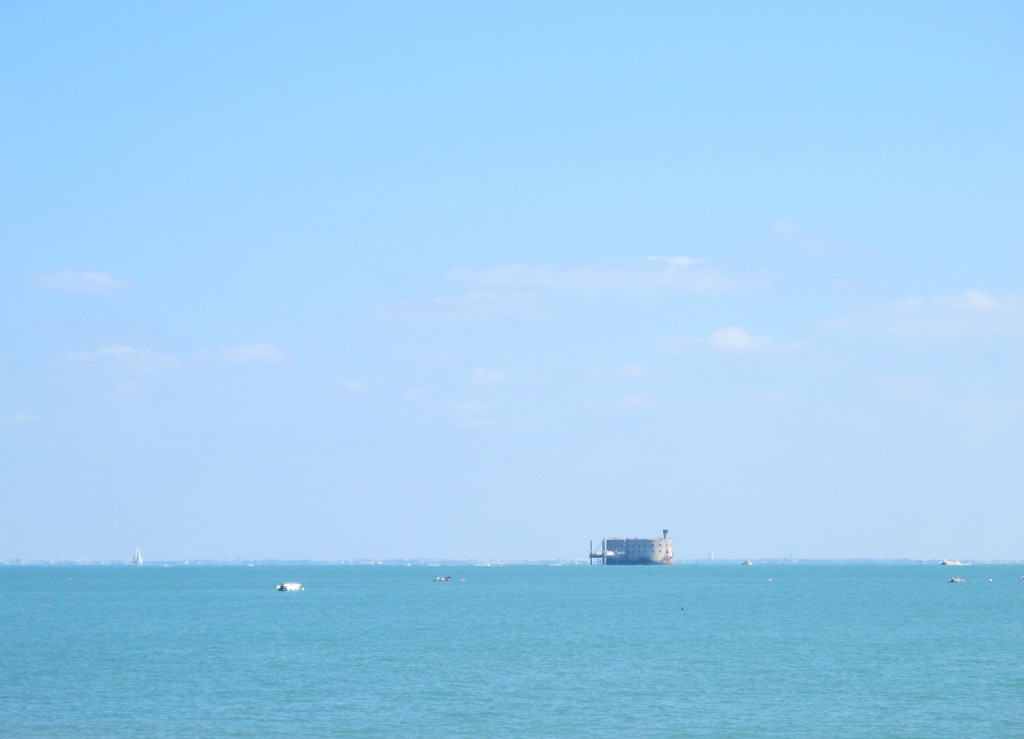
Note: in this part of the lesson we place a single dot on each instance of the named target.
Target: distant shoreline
(476, 563)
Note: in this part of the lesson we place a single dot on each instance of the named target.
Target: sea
(794, 650)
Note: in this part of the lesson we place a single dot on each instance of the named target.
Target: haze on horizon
(406, 280)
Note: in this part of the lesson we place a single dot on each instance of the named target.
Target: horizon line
(430, 561)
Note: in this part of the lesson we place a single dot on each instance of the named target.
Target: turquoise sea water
(788, 651)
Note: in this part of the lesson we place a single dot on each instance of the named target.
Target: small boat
(442, 578)
(137, 558)
(956, 579)
(747, 562)
(952, 562)
(290, 586)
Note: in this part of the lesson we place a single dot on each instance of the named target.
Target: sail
(137, 558)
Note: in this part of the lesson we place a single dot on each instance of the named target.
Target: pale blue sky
(384, 280)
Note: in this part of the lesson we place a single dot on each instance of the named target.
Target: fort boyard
(634, 551)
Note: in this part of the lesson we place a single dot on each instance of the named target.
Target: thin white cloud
(676, 262)
(736, 339)
(472, 306)
(632, 370)
(731, 339)
(245, 354)
(973, 311)
(489, 377)
(81, 281)
(654, 274)
(977, 300)
(353, 387)
(125, 358)
(516, 290)
(470, 414)
(637, 402)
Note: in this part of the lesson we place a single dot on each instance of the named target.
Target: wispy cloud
(472, 306)
(637, 402)
(736, 339)
(515, 290)
(81, 281)
(972, 312)
(651, 274)
(730, 339)
(350, 387)
(632, 370)
(115, 373)
(676, 262)
(125, 358)
(244, 354)
(489, 377)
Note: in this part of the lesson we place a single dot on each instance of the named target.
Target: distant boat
(957, 579)
(952, 562)
(443, 578)
(137, 558)
(747, 562)
(290, 586)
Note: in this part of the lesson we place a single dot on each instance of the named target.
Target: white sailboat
(137, 557)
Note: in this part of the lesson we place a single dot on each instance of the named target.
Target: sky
(489, 281)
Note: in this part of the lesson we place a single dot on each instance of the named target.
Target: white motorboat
(290, 586)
